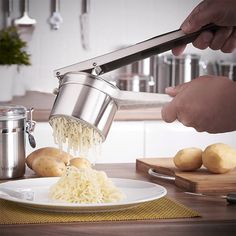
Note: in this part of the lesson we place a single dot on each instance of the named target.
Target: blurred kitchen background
(109, 25)
(103, 26)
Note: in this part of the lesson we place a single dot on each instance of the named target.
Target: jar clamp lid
(12, 112)
(15, 113)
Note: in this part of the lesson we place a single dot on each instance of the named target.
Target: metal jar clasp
(30, 125)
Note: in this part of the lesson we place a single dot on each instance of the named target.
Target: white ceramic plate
(136, 193)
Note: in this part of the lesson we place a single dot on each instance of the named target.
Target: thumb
(173, 91)
(201, 15)
(169, 112)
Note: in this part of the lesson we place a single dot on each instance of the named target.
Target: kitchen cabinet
(129, 140)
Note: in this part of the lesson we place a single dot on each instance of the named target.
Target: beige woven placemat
(164, 208)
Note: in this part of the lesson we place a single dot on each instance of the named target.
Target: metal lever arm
(128, 55)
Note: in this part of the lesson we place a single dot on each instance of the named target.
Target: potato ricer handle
(127, 100)
(140, 51)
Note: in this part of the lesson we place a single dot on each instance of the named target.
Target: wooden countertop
(43, 102)
(218, 218)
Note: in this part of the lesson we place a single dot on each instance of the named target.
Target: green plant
(12, 48)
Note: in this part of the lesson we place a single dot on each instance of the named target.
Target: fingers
(212, 11)
(220, 37)
(178, 50)
(173, 91)
(230, 44)
(169, 112)
(224, 39)
(198, 18)
(203, 40)
(206, 12)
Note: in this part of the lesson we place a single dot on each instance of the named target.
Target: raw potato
(80, 162)
(188, 159)
(50, 152)
(219, 158)
(48, 167)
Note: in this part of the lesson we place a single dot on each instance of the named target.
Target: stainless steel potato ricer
(85, 96)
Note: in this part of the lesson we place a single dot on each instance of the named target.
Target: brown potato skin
(219, 158)
(188, 159)
(80, 162)
(44, 166)
(50, 152)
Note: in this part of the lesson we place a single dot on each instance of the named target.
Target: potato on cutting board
(219, 158)
(188, 159)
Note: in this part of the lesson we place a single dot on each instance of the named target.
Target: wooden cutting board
(200, 181)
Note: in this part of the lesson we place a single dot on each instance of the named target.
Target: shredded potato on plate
(85, 186)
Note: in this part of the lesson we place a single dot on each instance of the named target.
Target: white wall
(112, 23)
(130, 140)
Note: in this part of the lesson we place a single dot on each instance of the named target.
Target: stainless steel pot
(173, 70)
(143, 67)
(135, 83)
(228, 69)
(13, 126)
(136, 77)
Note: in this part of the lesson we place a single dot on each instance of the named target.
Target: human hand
(206, 103)
(221, 13)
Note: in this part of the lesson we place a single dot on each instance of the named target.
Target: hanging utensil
(25, 20)
(84, 24)
(56, 18)
(8, 6)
